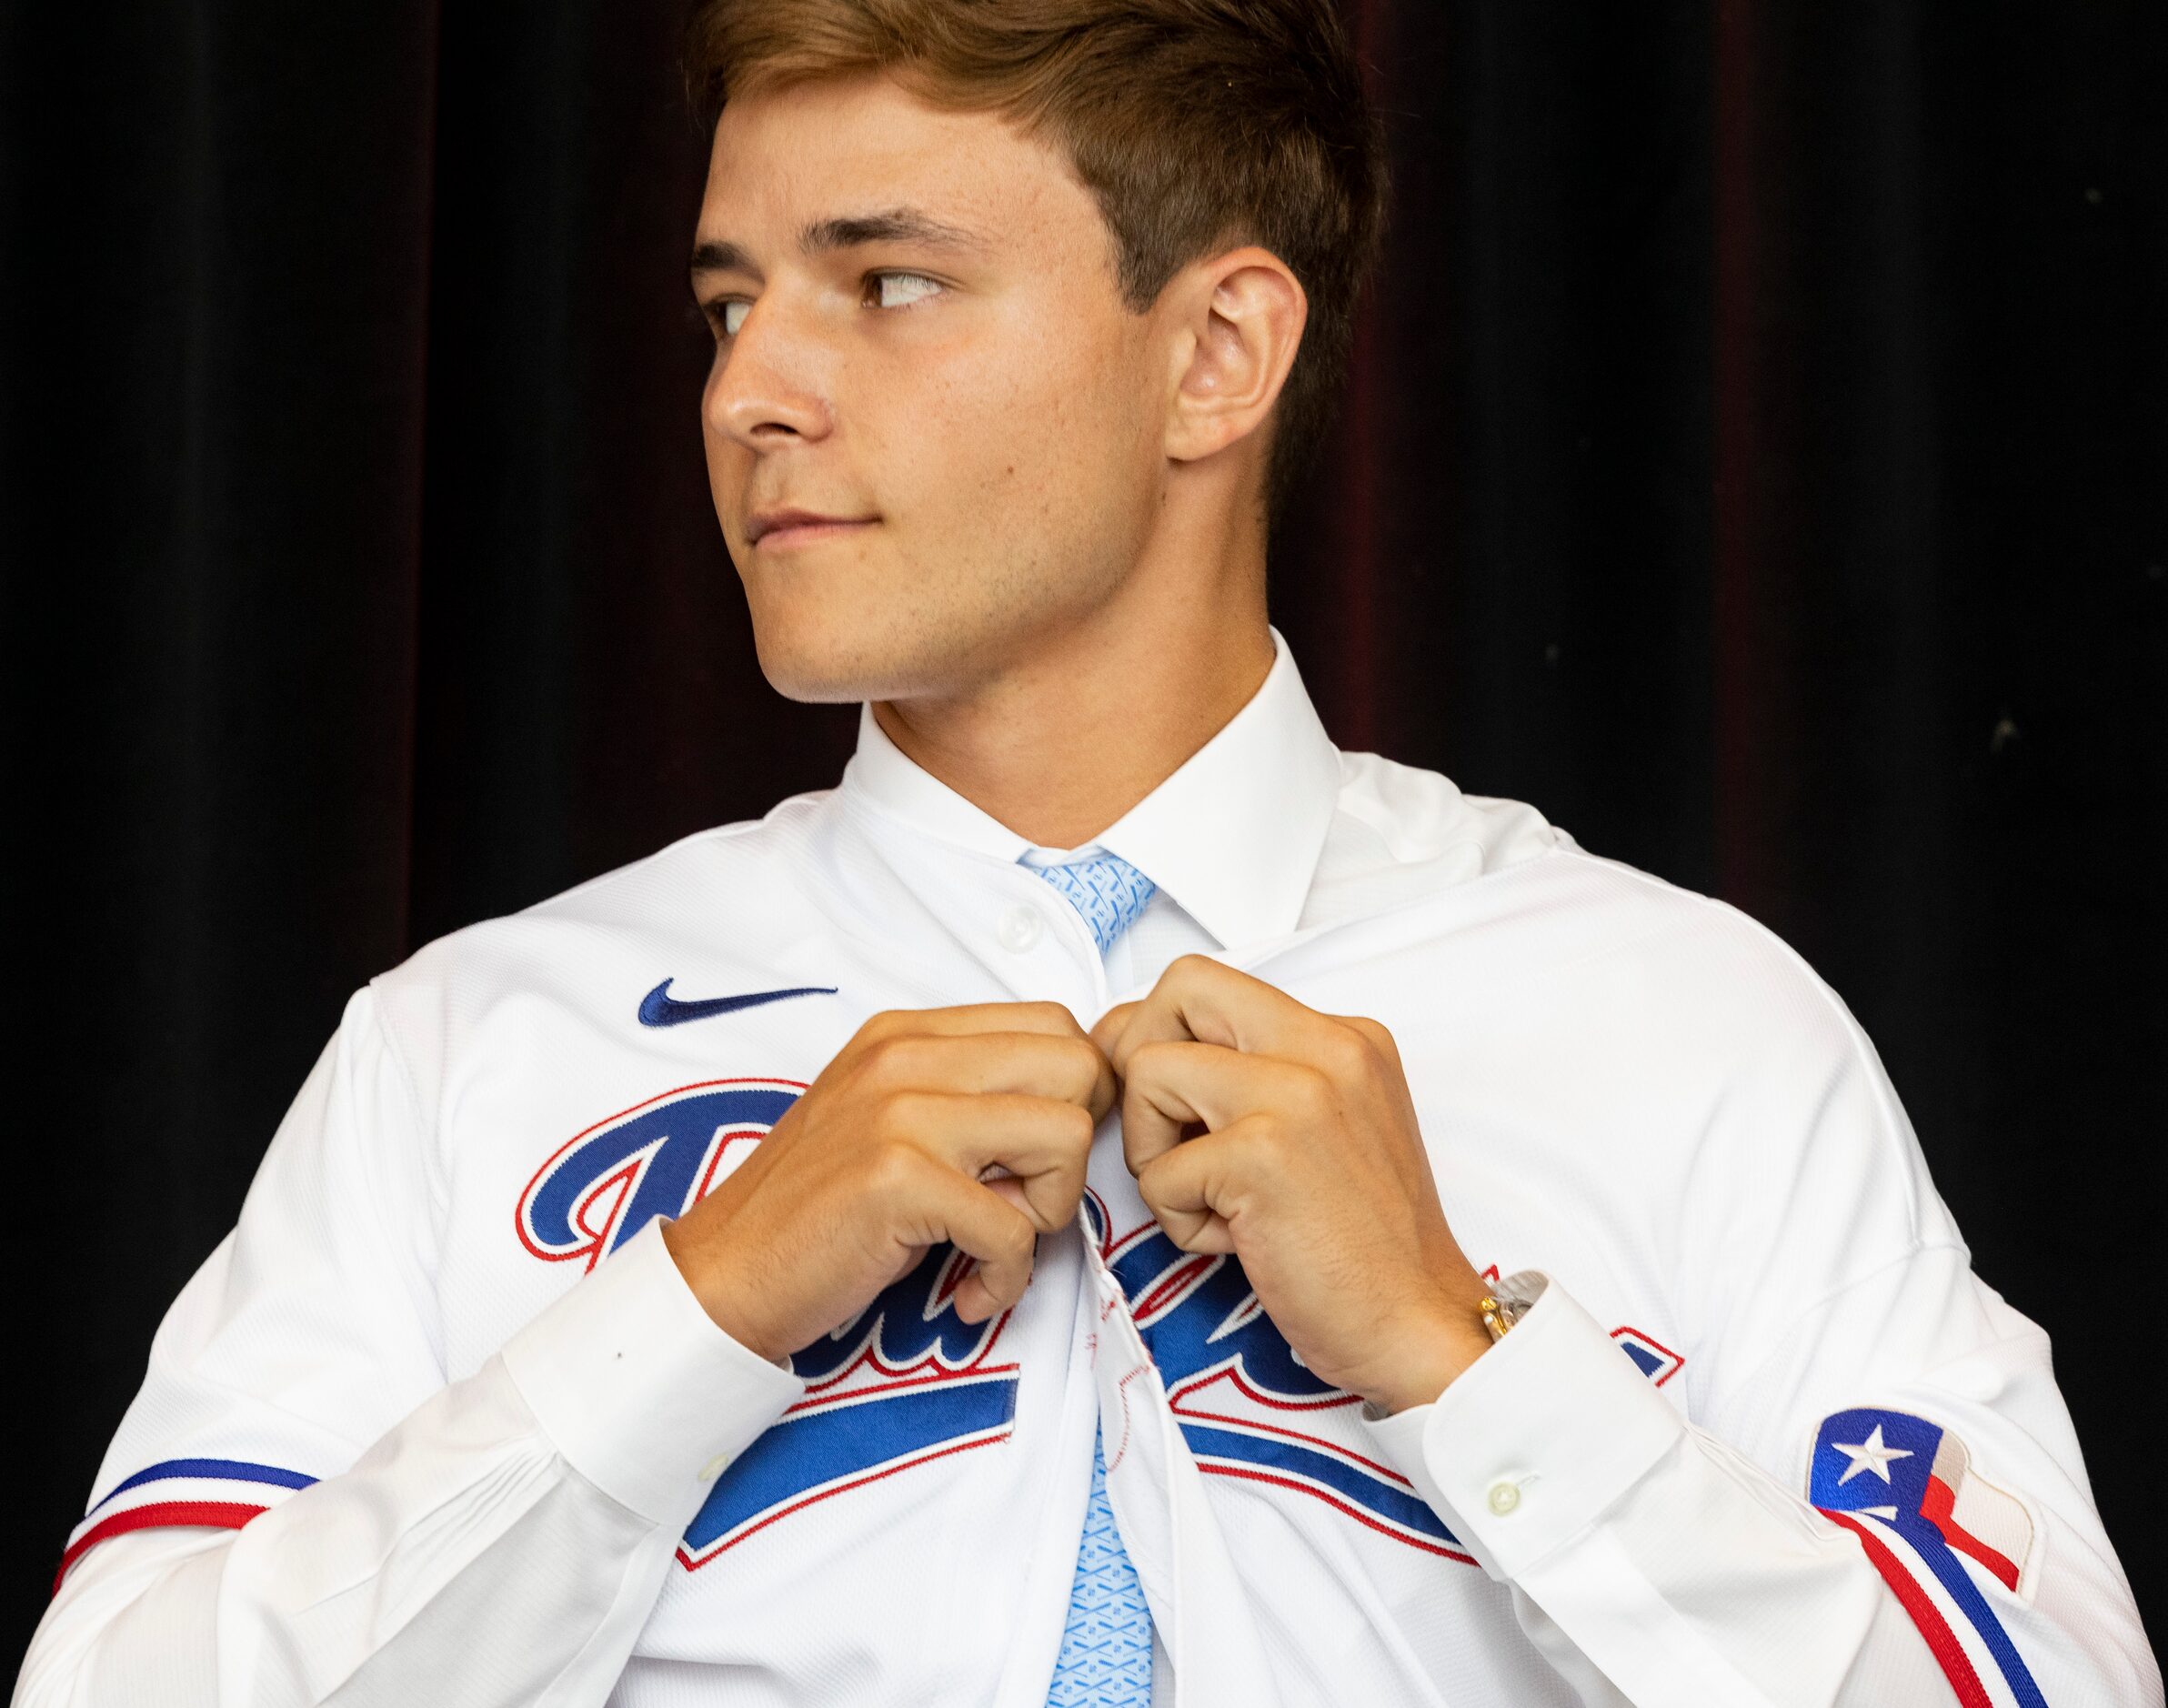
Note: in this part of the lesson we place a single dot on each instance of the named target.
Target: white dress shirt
(441, 1422)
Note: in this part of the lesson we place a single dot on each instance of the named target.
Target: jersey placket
(1159, 1499)
(1105, 1659)
(1152, 1486)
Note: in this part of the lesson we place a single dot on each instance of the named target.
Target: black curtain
(1756, 456)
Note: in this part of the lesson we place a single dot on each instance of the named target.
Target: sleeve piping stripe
(1949, 1652)
(218, 1470)
(219, 1515)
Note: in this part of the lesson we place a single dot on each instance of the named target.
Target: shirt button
(1504, 1498)
(713, 1468)
(1021, 927)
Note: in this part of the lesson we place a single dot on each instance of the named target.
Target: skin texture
(1068, 495)
(1258, 1126)
(880, 1160)
(961, 479)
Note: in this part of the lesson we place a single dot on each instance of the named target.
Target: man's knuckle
(897, 1057)
(1375, 1032)
(880, 1025)
(1347, 1052)
(900, 1114)
(1083, 1061)
(1151, 1057)
(1312, 1090)
(892, 1166)
(1257, 1135)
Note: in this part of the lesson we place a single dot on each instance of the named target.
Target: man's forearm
(502, 1545)
(1655, 1563)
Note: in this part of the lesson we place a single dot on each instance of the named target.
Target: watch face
(1518, 1292)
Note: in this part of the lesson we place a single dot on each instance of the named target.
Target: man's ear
(1241, 320)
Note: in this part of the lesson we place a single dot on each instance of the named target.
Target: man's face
(920, 338)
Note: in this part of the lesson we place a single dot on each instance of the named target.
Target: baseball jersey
(440, 1422)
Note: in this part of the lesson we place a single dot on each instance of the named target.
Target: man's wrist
(637, 1387)
(695, 1263)
(1442, 1344)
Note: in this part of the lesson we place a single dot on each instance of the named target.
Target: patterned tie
(1105, 889)
(1106, 1652)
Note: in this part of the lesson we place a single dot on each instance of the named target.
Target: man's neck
(1064, 741)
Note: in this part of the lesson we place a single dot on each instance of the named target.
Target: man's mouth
(773, 530)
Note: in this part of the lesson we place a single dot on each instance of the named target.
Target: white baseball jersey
(440, 1422)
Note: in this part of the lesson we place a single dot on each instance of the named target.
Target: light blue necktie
(1106, 1652)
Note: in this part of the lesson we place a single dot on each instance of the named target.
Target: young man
(1028, 1224)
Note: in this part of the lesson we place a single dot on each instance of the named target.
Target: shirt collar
(1233, 835)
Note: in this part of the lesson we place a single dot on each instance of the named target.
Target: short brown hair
(1195, 123)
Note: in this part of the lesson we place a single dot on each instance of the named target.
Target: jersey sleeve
(308, 1332)
(299, 1505)
(1874, 1493)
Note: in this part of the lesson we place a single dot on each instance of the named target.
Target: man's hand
(1258, 1125)
(882, 1160)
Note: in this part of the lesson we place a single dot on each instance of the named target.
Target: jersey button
(1021, 927)
(1504, 1498)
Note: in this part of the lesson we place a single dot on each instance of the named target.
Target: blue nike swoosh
(659, 1007)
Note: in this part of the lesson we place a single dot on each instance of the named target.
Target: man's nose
(768, 390)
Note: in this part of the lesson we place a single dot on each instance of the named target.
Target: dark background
(1756, 458)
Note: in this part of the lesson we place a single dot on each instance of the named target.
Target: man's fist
(1257, 1126)
(883, 1158)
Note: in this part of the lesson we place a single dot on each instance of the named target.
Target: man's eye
(898, 290)
(731, 316)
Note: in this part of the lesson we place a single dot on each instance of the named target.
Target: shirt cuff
(637, 1388)
(1534, 1441)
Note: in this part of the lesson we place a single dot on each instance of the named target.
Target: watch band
(1504, 1305)
(1510, 1299)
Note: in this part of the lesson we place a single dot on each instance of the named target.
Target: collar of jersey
(1233, 835)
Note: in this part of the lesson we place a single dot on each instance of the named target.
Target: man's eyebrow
(845, 231)
(891, 225)
(714, 256)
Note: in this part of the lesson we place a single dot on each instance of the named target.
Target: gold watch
(1510, 1299)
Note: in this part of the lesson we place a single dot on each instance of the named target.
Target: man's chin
(809, 683)
(822, 667)
(841, 650)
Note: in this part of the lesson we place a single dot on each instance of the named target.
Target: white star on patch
(1869, 1455)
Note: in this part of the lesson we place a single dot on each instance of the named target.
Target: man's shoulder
(1674, 989)
(723, 856)
(1407, 842)
(736, 879)
(1388, 813)
(1702, 957)
(1682, 1047)
(1469, 878)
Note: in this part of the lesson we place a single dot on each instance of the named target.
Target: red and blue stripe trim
(224, 1493)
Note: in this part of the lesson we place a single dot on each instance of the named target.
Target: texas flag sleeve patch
(1943, 1539)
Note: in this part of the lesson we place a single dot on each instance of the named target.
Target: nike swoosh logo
(659, 1007)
